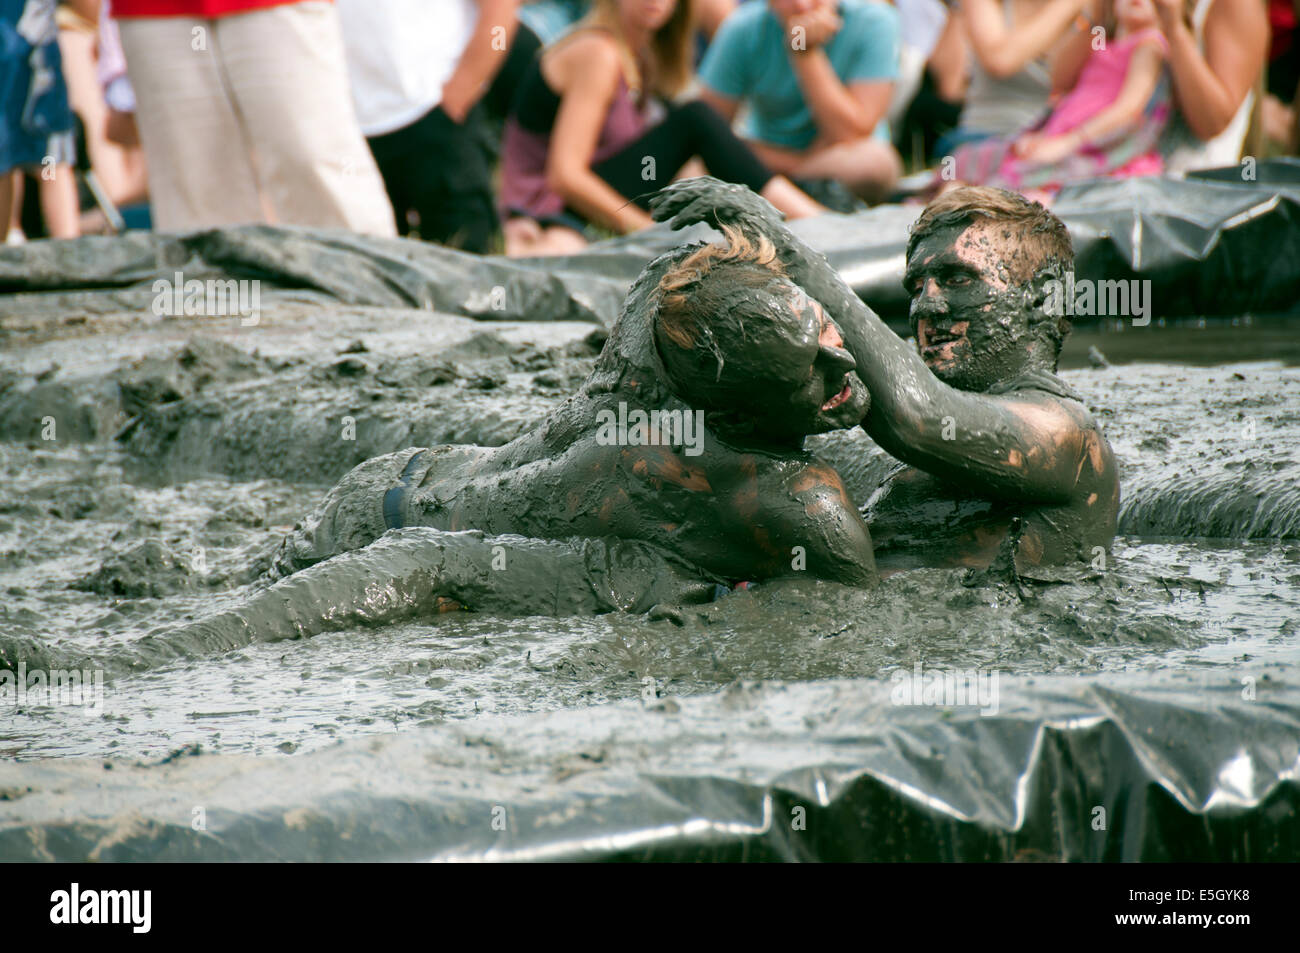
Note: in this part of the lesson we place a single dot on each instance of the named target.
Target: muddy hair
(1034, 227)
(699, 309)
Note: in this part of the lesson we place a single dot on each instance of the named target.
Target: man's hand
(818, 27)
(706, 199)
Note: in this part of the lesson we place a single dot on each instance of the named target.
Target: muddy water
(227, 436)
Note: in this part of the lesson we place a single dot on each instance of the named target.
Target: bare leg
(59, 203)
(526, 238)
(868, 167)
(791, 199)
(6, 201)
(13, 222)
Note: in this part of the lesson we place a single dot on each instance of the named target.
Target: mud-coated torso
(917, 519)
(739, 515)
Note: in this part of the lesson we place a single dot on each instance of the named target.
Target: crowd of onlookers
(529, 128)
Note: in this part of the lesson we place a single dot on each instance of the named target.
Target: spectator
(582, 146)
(936, 108)
(551, 19)
(1011, 78)
(418, 72)
(1217, 50)
(1109, 125)
(36, 123)
(244, 114)
(101, 97)
(1278, 112)
(818, 79)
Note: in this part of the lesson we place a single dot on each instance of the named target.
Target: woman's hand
(1170, 15)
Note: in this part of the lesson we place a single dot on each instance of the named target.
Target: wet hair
(1043, 236)
(705, 301)
(1031, 225)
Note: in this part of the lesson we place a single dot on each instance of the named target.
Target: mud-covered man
(714, 342)
(997, 453)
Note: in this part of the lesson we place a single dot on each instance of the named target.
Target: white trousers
(249, 118)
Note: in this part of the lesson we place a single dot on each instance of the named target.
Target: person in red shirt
(245, 115)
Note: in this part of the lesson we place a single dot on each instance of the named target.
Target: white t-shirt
(400, 53)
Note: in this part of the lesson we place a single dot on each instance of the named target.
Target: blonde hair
(669, 70)
(678, 318)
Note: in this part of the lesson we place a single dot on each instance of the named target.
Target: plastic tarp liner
(1117, 768)
(1209, 246)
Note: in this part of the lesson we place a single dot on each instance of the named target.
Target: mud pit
(226, 439)
(185, 448)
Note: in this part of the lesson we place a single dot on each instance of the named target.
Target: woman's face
(647, 15)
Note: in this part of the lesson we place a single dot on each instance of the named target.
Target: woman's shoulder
(590, 44)
(589, 55)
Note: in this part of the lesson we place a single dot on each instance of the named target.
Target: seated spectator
(582, 146)
(418, 71)
(1278, 112)
(36, 123)
(1011, 77)
(1108, 125)
(551, 19)
(244, 114)
(818, 79)
(936, 108)
(1217, 50)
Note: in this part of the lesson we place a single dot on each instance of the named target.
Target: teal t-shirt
(749, 60)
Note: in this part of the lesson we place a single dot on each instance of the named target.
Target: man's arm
(482, 58)
(842, 113)
(843, 109)
(1020, 448)
(724, 106)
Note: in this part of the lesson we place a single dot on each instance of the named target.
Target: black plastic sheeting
(1108, 770)
(1220, 244)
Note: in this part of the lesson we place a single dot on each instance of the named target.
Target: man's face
(808, 385)
(785, 9)
(971, 319)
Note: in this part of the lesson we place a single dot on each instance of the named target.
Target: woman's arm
(1211, 88)
(949, 60)
(1069, 60)
(1005, 50)
(585, 73)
